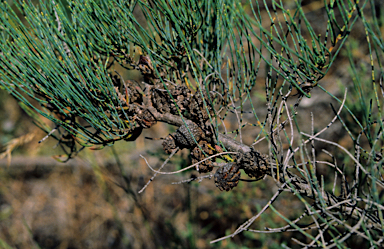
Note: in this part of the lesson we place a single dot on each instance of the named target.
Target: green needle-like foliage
(60, 57)
(202, 63)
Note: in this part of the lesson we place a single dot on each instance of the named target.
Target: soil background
(88, 203)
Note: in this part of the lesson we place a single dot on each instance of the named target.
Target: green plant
(202, 62)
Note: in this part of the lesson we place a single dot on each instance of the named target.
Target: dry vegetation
(93, 201)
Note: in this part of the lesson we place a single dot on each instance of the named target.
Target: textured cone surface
(186, 138)
(227, 177)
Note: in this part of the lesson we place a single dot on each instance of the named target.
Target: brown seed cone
(227, 177)
(134, 95)
(197, 155)
(164, 103)
(185, 138)
(146, 119)
(253, 163)
(169, 144)
(197, 109)
(199, 113)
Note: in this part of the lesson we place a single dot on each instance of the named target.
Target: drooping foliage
(202, 64)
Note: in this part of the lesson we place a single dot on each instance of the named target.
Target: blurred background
(88, 203)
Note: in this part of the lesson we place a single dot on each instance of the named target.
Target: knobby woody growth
(194, 64)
